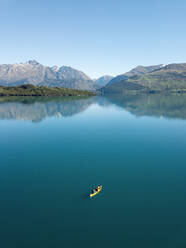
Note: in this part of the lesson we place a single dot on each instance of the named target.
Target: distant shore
(32, 90)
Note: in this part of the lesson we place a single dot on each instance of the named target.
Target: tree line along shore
(31, 90)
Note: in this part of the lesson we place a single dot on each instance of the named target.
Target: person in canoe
(95, 191)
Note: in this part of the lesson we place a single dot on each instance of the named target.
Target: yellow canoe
(96, 192)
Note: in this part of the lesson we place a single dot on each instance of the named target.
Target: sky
(97, 37)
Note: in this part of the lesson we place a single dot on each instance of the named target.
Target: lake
(54, 151)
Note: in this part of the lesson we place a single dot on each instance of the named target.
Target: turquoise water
(53, 151)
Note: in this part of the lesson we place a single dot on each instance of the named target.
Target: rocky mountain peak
(55, 68)
(32, 72)
(32, 62)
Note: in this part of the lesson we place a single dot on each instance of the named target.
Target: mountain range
(151, 79)
(137, 71)
(37, 74)
(171, 77)
(32, 72)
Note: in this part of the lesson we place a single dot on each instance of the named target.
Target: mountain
(139, 70)
(170, 77)
(102, 81)
(35, 73)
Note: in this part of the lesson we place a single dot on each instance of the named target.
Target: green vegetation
(161, 81)
(171, 78)
(31, 90)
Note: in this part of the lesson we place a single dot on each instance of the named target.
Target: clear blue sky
(98, 37)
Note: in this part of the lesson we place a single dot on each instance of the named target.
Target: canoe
(96, 192)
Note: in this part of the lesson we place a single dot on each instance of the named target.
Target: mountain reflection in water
(157, 105)
(37, 109)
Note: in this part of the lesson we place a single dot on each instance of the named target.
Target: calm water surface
(53, 151)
